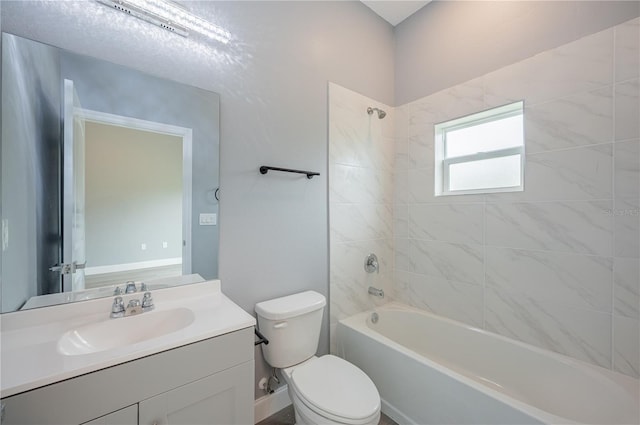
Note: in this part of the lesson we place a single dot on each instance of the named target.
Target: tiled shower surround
(556, 265)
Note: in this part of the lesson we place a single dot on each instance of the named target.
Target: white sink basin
(114, 333)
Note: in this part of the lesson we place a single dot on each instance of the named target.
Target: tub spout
(376, 292)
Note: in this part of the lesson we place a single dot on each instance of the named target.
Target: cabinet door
(126, 416)
(224, 398)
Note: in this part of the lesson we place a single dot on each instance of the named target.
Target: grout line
(571, 148)
(613, 202)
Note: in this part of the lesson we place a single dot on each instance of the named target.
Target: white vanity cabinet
(206, 382)
(126, 416)
(210, 400)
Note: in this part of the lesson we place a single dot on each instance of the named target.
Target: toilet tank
(292, 326)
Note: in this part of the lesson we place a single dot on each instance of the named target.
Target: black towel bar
(264, 169)
(262, 339)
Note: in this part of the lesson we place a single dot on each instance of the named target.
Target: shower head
(381, 113)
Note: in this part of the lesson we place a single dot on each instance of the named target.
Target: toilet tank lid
(291, 305)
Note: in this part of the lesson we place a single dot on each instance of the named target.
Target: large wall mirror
(108, 175)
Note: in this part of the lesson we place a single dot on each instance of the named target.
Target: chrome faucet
(376, 292)
(117, 309)
(133, 307)
(147, 302)
(131, 287)
(371, 264)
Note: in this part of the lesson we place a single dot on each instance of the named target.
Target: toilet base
(306, 416)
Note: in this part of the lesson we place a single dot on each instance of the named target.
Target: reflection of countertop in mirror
(106, 291)
(33, 341)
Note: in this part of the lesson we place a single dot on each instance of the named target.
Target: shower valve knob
(371, 264)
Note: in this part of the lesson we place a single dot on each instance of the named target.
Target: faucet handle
(147, 302)
(117, 309)
(131, 287)
(371, 264)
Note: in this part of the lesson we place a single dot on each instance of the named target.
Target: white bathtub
(432, 370)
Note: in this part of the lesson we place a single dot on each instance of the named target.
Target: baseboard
(397, 416)
(269, 404)
(115, 268)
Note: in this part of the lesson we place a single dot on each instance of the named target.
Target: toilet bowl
(323, 390)
(330, 390)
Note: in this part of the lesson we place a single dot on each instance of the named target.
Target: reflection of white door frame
(157, 127)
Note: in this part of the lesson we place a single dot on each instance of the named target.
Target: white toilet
(324, 390)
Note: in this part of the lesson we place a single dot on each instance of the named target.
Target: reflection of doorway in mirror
(136, 202)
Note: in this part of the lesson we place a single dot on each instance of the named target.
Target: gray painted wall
(133, 184)
(273, 85)
(449, 42)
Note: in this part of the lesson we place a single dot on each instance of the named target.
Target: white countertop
(29, 339)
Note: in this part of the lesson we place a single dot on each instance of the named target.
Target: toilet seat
(336, 389)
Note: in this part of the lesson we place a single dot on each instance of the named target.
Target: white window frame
(442, 163)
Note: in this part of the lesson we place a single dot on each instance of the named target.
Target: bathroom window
(481, 153)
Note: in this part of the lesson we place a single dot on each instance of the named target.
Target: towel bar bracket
(261, 338)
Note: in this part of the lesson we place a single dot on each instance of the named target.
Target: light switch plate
(208, 219)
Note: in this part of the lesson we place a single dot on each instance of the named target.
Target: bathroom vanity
(188, 361)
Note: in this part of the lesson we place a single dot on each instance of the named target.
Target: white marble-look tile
(400, 221)
(627, 169)
(348, 298)
(347, 258)
(572, 174)
(355, 138)
(421, 189)
(455, 300)
(580, 333)
(627, 52)
(627, 227)
(401, 160)
(350, 184)
(401, 254)
(581, 119)
(421, 150)
(349, 281)
(579, 66)
(401, 118)
(421, 185)
(578, 280)
(451, 261)
(388, 122)
(626, 350)
(626, 279)
(461, 223)
(400, 187)
(356, 222)
(352, 107)
(627, 110)
(460, 100)
(579, 227)
(358, 147)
